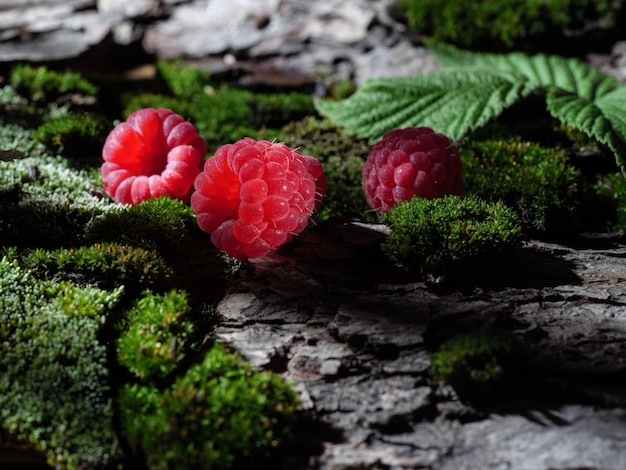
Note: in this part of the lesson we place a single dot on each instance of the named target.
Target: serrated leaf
(548, 71)
(450, 102)
(577, 94)
(603, 118)
(479, 88)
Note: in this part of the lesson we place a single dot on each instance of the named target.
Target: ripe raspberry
(154, 153)
(411, 162)
(253, 196)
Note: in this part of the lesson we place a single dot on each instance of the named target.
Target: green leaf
(577, 94)
(547, 71)
(603, 118)
(479, 88)
(450, 102)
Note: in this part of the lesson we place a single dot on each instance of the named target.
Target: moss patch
(343, 156)
(477, 363)
(106, 310)
(508, 24)
(538, 182)
(221, 414)
(99, 299)
(452, 236)
(54, 389)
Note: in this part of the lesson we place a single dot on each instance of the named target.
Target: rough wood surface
(352, 333)
(355, 336)
(276, 42)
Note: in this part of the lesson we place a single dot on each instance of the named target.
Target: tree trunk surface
(355, 335)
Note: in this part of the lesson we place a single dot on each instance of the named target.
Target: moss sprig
(54, 389)
(452, 236)
(228, 413)
(75, 135)
(611, 191)
(343, 156)
(540, 183)
(156, 334)
(477, 363)
(53, 206)
(41, 84)
(104, 264)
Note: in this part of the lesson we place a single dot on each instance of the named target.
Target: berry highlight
(408, 163)
(254, 196)
(154, 153)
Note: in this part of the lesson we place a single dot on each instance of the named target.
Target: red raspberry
(252, 197)
(154, 153)
(411, 162)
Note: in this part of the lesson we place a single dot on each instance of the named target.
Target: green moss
(341, 89)
(169, 228)
(538, 182)
(451, 236)
(15, 137)
(106, 264)
(59, 349)
(16, 110)
(611, 191)
(43, 85)
(54, 389)
(476, 363)
(10, 99)
(155, 339)
(153, 100)
(182, 80)
(222, 114)
(75, 135)
(164, 223)
(507, 24)
(343, 156)
(274, 110)
(47, 204)
(221, 414)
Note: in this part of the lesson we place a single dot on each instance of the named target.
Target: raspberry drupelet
(253, 196)
(408, 163)
(154, 153)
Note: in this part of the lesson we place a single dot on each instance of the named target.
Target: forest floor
(353, 333)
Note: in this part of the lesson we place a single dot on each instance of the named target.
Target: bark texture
(356, 336)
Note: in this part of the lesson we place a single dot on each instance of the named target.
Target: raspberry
(408, 163)
(253, 196)
(154, 153)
